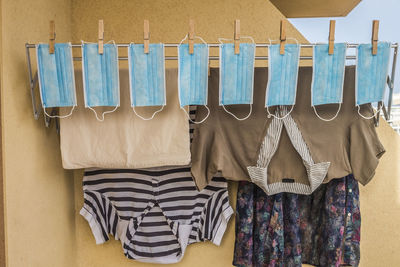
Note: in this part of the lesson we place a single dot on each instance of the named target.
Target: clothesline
(217, 45)
(33, 79)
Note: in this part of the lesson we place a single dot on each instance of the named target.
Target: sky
(357, 27)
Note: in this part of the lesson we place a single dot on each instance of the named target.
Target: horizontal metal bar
(217, 58)
(311, 45)
(216, 45)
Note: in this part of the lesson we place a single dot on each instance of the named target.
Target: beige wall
(44, 227)
(2, 230)
(38, 192)
(380, 206)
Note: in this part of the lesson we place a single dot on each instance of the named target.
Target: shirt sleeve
(365, 150)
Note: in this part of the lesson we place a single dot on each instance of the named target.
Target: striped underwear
(156, 212)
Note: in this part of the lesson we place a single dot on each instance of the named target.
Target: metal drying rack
(33, 78)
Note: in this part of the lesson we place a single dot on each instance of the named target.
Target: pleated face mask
(100, 77)
(371, 73)
(56, 77)
(236, 75)
(193, 75)
(328, 76)
(282, 75)
(147, 77)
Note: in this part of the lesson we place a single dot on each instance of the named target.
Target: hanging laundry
(131, 204)
(236, 75)
(56, 76)
(223, 144)
(193, 75)
(100, 77)
(282, 75)
(147, 77)
(316, 172)
(371, 73)
(124, 140)
(321, 229)
(328, 76)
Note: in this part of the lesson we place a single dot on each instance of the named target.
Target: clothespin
(101, 36)
(375, 29)
(52, 37)
(191, 36)
(332, 24)
(282, 37)
(236, 36)
(146, 36)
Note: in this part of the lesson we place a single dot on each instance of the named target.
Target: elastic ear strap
(331, 119)
(225, 39)
(186, 36)
(102, 114)
(279, 118)
(57, 116)
(242, 37)
(239, 119)
(196, 122)
(287, 38)
(147, 119)
(201, 39)
(368, 118)
(248, 37)
(198, 37)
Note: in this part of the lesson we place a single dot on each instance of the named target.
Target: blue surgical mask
(282, 75)
(236, 75)
(56, 76)
(328, 76)
(371, 73)
(192, 75)
(147, 77)
(100, 77)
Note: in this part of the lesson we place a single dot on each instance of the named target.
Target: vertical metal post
(391, 81)
(32, 83)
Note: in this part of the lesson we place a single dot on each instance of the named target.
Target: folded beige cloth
(123, 140)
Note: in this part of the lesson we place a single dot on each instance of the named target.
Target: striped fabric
(259, 174)
(155, 212)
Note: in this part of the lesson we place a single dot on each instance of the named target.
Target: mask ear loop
(197, 122)
(331, 119)
(291, 109)
(373, 116)
(92, 109)
(251, 105)
(103, 113)
(239, 119)
(184, 110)
(58, 116)
(147, 119)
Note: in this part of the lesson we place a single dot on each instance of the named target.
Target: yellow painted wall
(43, 201)
(39, 199)
(380, 206)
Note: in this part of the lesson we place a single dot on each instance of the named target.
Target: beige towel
(123, 140)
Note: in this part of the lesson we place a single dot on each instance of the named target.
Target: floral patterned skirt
(322, 229)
